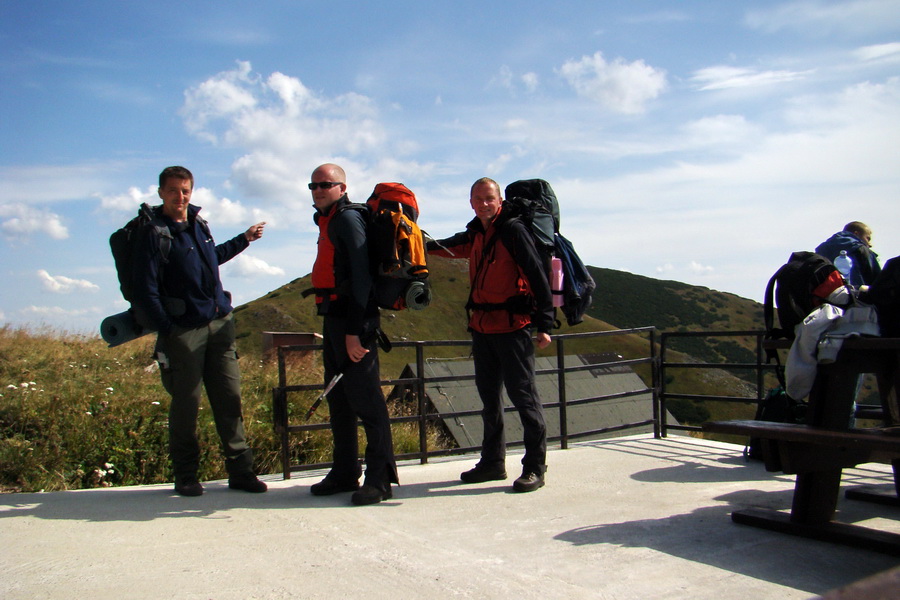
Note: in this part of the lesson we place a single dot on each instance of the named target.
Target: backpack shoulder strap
(163, 234)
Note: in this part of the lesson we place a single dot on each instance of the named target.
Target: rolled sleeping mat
(417, 295)
(121, 328)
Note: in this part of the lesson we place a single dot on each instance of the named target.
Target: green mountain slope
(622, 300)
(630, 300)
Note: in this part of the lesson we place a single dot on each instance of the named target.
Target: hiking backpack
(534, 202)
(123, 244)
(397, 248)
(800, 285)
(776, 407)
(123, 241)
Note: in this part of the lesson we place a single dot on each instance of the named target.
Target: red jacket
(509, 286)
(341, 277)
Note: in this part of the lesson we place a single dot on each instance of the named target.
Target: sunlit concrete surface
(632, 517)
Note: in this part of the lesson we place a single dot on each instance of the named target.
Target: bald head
(327, 184)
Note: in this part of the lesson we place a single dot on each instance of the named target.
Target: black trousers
(507, 359)
(357, 396)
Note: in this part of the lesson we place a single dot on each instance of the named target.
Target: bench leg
(816, 496)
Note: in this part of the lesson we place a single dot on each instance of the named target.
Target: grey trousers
(203, 355)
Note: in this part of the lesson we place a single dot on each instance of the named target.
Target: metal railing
(760, 367)
(424, 415)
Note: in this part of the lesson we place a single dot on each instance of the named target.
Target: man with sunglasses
(345, 298)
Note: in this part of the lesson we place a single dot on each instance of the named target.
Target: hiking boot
(528, 482)
(247, 482)
(369, 494)
(482, 473)
(330, 485)
(189, 486)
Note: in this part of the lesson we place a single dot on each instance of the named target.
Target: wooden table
(819, 451)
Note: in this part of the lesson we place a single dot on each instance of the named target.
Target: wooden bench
(817, 453)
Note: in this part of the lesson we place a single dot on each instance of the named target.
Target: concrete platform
(631, 517)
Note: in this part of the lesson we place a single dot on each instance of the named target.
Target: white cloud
(531, 82)
(130, 200)
(733, 131)
(60, 284)
(244, 265)
(21, 221)
(279, 123)
(879, 52)
(726, 77)
(619, 86)
(820, 18)
(699, 269)
(57, 312)
(220, 96)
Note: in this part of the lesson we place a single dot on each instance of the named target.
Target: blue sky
(695, 141)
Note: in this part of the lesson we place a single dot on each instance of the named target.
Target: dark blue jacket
(185, 290)
(865, 262)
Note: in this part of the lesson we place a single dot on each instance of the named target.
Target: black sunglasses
(324, 185)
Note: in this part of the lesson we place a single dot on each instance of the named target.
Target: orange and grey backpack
(397, 248)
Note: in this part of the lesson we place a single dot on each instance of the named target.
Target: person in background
(345, 298)
(509, 295)
(856, 239)
(182, 296)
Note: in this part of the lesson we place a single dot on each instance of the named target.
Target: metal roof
(461, 395)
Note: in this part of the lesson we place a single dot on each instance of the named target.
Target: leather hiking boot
(247, 482)
(528, 482)
(329, 486)
(189, 486)
(369, 494)
(482, 473)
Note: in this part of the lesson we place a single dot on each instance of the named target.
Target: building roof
(460, 395)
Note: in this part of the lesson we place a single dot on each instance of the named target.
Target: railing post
(420, 393)
(662, 386)
(654, 384)
(280, 416)
(561, 386)
(760, 374)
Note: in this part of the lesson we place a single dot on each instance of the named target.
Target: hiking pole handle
(383, 342)
(318, 401)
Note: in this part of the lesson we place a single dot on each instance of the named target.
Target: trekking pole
(383, 342)
(440, 245)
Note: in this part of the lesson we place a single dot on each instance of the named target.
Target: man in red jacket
(509, 295)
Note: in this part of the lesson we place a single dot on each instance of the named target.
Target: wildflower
(155, 403)
(11, 387)
(89, 413)
(109, 389)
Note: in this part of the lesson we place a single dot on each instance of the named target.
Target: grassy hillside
(630, 300)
